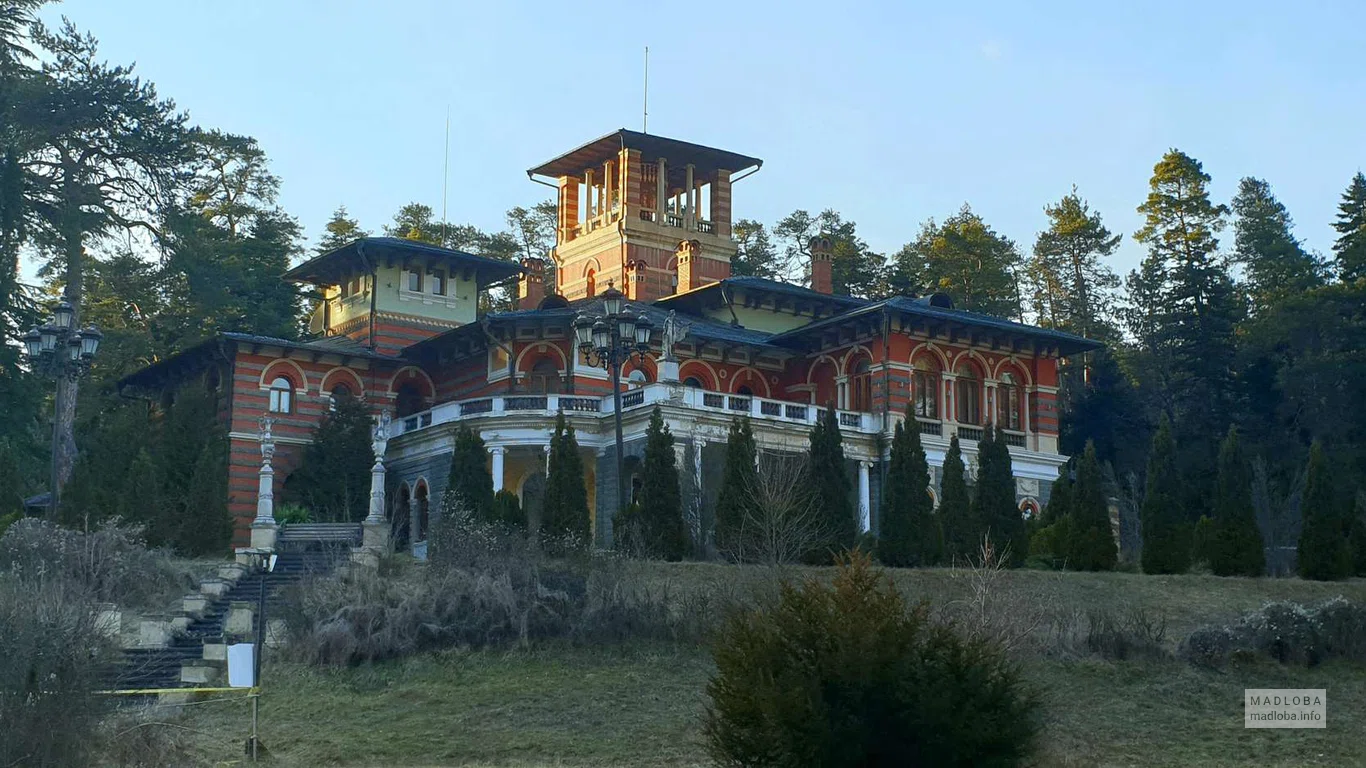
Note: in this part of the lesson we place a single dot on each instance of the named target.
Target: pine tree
(735, 499)
(1089, 544)
(1236, 548)
(832, 488)
(1350, 247)
(1324, 552)
(993, 504)
(1198, 305)
(965, 258)
(340, 230)
(1166, 534)
(332, 480)
(909, 533)
(142, 500)
(661, 502)
(1275, 262)
(1068, 282)
(565, 511)
(470, 486)
(955, 510)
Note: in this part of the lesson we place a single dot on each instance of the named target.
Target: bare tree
(997, 609)
(782, 522)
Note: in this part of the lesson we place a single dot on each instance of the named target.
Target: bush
(49, 671)
(107, 565)
(1285, 632)
(285, 514)
(847, 674)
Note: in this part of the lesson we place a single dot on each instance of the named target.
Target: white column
(547, 459)
(688, 212)
(376, 492)
(497, 452)
(661, 190)
(865, 506)
(265, 494)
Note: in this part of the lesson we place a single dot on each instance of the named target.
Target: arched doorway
(860, 387)
(423, 514)
(399, 518)
(409, 400)
(543, 378)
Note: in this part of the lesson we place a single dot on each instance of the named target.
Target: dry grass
(640, 705)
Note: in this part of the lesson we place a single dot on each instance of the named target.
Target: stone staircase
(190, 649)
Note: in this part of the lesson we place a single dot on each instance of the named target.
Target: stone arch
(974, 358)
(934, 498)
(848, 359)
(400, 515)
(931, 350)
(1014, 365)
(541, 350)
(421, 506)
(823, 385)
(702, 371)
(1029, 508)
(341, 375)
(410, 373)
(749, 376)
(290, 370)
(645, 364)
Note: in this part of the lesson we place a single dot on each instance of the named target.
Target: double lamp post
(610, 341)
(61, 352)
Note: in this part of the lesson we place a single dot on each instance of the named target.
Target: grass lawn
(641, 705)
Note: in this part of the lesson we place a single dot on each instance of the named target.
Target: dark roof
(928, 307)
(191, 356)
(694, 299)
(699, 328)
(333, 267)
(705, 160)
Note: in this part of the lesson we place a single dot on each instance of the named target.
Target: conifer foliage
(332, 480)
(1089, 543)
(910, 534)
(1324, 553)
(1166, 533)
(1235, 549)
(735, 499)
(993, 507)
(565, 512)
(661, 503)
(832, 487)
(1350, 247)
(507, 510)
(955, 510)
(470, 487)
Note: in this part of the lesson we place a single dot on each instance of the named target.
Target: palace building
(401, 327)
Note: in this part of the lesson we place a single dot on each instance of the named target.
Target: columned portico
(497, 452)
(865, 503)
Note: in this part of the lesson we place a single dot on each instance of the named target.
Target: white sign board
(242, 665)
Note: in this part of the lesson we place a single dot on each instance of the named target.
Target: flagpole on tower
(645, 123)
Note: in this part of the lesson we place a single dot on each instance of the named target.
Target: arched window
(338, 392)
(969, 395)
(543, 378)
(409, 400)
(1009, 398)
(281, 395)
(745, 390)
(592, 283)
(637, 378)
(925, 390)
(692, 381)
(860, 387)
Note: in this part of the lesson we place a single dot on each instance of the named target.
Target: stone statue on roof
(674, 331)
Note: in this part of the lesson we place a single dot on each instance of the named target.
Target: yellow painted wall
(459, 304)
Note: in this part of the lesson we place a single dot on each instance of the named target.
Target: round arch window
(281, 395)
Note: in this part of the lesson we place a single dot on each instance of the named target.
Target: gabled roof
(705, 160)
(932, 309)
(359, 256)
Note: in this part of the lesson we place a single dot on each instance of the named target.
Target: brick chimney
(689, 265)
(635, 280)
(531, 286)
(822, 280)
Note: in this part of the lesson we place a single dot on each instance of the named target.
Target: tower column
(865, 505)
(497, 452)
(661, 190)
(689, 213)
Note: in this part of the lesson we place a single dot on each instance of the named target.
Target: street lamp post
(610, 341)
(61, 352)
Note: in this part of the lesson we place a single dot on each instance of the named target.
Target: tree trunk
(64, 452)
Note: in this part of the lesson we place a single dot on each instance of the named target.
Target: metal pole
(54, 495)
(255, 739)
(614, 361)
(260, 652)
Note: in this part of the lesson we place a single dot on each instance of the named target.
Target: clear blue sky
(889, 112)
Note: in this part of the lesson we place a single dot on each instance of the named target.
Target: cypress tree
(661, 502)
(993, 505)
(565, 512)
(1059, 499)
(1166, 534)
(470, 486)
(1090, 545)
(1350, 247)
(142, 500)
(734, 501)
(507, 510)
(332, 480)
(1324, 552)
(205, 527)
(955, 511)
(832, 488)
(1236, 548)
(910, 533)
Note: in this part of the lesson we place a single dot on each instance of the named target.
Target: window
(861, 388)
(281, 395)
(409, 400)
(415, 281)
(592, 283)
(436, 283)
(1008, 401)
(543, 378)
(925, 390)
(345, 288)
(693, 381)
(745, 390)
(969, 395)
(338, 392)
(637, 378)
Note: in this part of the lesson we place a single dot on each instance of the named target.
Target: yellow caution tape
(151, 691)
